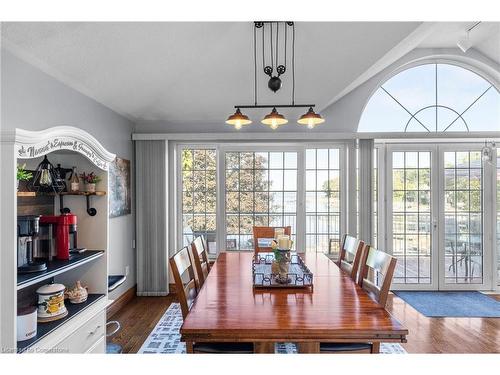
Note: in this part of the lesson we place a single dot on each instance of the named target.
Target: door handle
(434, 224)
(94, 331)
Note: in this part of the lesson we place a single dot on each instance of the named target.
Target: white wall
(33, 100)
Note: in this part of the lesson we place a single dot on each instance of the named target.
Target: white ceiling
(485, 37)
(190, 75)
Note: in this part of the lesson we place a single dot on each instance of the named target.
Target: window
(411, 215)
(199, 195)
(261, 190)
(433, 98)
(463, 189)
(261, 186)
(323, 189)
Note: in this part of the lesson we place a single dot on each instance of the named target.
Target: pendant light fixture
(276, 38)
(274, 119)
(45, 180)
(238, 119)
(311, 119)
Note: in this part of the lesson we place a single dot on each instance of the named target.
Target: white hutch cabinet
(83, 330)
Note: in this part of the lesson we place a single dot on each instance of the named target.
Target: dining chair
(375, 277)
(377, 270)
(350, 255)
(199, 255)
(187, 291)
(266, 233)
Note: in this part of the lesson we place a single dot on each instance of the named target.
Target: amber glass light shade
(274, 119)
(311, 119)
(238, 119)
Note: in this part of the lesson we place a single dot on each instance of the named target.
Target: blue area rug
(452, 304)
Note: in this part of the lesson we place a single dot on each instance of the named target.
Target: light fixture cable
(263, 49)
(271, 44)
(293, 63)
(255, 64)
(277, 44)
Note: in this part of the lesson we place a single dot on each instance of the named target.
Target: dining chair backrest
(199, 255)
(266, 233)
(377, 270)
(185, 283)
(351, 251)
(205, 244)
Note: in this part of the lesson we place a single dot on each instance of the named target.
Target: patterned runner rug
(165, 338)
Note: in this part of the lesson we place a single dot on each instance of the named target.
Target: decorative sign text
(40, 149)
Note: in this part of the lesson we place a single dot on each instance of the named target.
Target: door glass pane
(411, 212)
(199, 195)
(261, 190)
(323, 200)
(463, 224)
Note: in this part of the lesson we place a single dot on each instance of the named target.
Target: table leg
(375, 347)
(308, 347)
(189, 347)
(263, 347)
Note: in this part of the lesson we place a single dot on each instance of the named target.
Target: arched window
(433, 98)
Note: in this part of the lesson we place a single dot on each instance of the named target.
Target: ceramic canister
(26, 323)
(51, 302)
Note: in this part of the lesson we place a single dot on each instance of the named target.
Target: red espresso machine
(64, 229)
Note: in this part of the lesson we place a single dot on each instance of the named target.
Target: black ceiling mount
(275, 39)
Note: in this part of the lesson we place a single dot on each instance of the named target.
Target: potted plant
(23, 174)
(90, 179)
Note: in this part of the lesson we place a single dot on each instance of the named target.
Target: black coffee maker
(28, 228)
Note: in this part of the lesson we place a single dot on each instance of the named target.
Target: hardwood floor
(138, 318)
(446, 335)
(427, 335)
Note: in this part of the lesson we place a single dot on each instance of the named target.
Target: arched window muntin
(493, 85)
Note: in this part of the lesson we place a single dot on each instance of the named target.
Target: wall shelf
(37, 194)
(26, 194)
(85, 193)
(57, 267)
(90, 210)
(43, 329)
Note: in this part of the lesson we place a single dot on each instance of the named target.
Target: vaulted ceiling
(188, 76)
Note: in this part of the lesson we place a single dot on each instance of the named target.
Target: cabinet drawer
(84, 337)
(99, 347)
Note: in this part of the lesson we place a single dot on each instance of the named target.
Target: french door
(436, 216)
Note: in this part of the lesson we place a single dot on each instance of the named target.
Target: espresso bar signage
(61, 143)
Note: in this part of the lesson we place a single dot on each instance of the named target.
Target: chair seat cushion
(344, 346)
(223, 347)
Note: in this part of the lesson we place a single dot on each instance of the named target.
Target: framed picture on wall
(119, 188)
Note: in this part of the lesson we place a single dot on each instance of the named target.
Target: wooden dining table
(229, 309)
